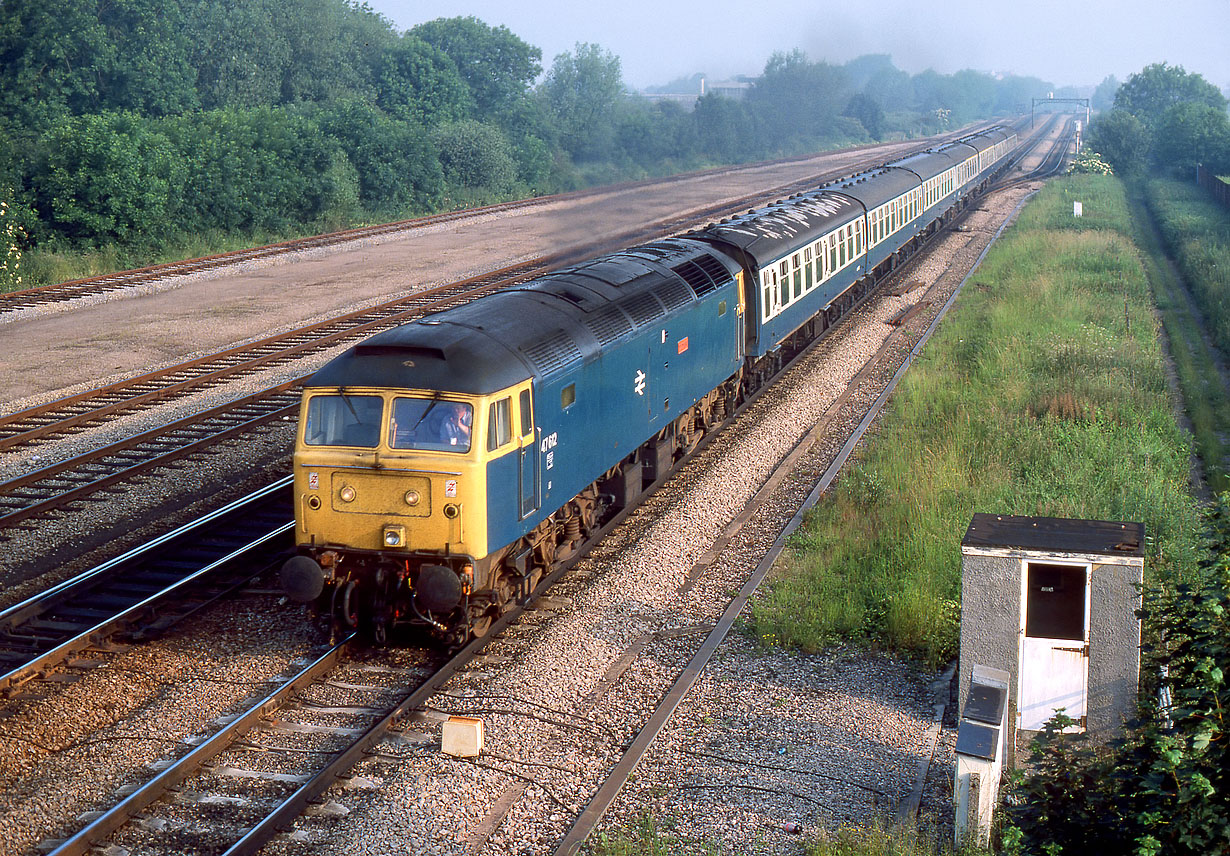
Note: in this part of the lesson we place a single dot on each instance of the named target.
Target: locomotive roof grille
(643, 308)
(554, 352)
(673, 294)
(700, 280)
(608, 324)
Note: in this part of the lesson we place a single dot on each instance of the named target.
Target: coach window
(527, 414)
(499, 424)
(808, 267)
(798, 275)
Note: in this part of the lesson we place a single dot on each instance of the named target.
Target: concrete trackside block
(463, 737)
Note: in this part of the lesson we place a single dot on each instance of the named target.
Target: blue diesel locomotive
(443, 467)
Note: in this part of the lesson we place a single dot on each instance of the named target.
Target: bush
(1166, 788)
(108, 177)
(475, 156)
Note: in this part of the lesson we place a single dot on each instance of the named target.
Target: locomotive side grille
(716, 270)
(643, 308)
(673, 293)
(553, 353)
(608, 324)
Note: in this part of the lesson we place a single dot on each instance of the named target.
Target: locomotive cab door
(529, 474)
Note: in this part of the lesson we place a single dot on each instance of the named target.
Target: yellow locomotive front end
(388, 507)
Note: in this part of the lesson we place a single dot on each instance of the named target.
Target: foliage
(420, 83)
(879, 840)
(1149, 93)
(1189, 134)
(1103, 97)
(1166, 788)
(497, 66)
(647, 837)
(1197, 232)
(868, 111)
(474, 155)
(397, 164)
(1089, 161)
(272, 116)
(106, 177)
(1193, 352)
(12, 236)
(796, 100)
(1043, 393)
(1122, 139)
(252, 169)
(581, 91)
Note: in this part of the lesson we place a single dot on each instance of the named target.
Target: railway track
(280, 757)
(385, 715)
(92, 286)
(147, 590)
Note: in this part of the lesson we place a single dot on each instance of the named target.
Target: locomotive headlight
(412, 497)
(394, 536)
(347, 494)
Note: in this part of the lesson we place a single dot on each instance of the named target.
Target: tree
(332, 45)
(868, 112)
(398, 166)
(1122, 139)
(581, 91)
(49, 54)
(1190, 134)
(239, 53)
(1149, 93)
(149, 71)
(724, 128)
(1104, 95)
(496, 65)
(796, 101)
(861, 71)
(420, 83)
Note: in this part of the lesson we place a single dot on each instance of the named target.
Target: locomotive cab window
(499, 424)
(527, 414)
(430, 424)
(343, 420)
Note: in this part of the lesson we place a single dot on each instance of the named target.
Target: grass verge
(1043, 393)
(1170, 217)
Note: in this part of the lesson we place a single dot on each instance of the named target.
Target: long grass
(1043, 393)
(1197, 233)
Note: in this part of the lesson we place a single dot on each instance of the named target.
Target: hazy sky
(1064, 41)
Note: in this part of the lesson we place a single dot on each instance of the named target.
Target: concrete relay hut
(1052, 602)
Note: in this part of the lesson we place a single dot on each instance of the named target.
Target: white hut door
(1054, 643)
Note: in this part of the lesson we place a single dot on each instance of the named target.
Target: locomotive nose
(302, 579)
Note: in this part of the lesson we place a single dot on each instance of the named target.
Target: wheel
(346, 610)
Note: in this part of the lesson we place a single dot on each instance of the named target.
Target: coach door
(529, 475)
(1054, 643)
